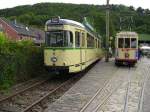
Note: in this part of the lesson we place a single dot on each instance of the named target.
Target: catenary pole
(107, 33)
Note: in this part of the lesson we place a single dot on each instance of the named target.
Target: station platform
(104, 89)
(74, 99)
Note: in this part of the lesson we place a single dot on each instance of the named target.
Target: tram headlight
(53, 59)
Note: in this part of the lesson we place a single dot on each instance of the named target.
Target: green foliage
(38, 14)
(3, 39)
(18, 61)
(144, 37)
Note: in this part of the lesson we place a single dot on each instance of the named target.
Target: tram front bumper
(57, 68)
(126, 61)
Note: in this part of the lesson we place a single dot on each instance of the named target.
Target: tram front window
(59, 39)
(133, 42)
(127, 43)
(120, 42)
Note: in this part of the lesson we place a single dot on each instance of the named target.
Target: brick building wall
(8, 30)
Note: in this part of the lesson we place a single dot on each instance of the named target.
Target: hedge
(19, 61)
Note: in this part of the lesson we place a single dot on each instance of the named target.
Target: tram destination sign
(56, 27)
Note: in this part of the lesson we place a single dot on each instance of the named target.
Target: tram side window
(98, 44)
(77, 39)
(90, 41)
(127, 42)
(95, 43)
(120, 42)
(70, 39)
(133, 42)
(83, 39)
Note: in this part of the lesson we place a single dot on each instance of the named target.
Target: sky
(136, 3)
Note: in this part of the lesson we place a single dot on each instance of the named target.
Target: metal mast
(107, 33)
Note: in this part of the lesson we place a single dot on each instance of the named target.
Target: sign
(55, 20)
(57, 27)
(126, 55)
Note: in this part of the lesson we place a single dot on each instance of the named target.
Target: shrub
(18, 61)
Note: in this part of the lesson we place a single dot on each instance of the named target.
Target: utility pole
(107, 33)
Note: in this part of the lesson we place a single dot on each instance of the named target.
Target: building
(17, 31)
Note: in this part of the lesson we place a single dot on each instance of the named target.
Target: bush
(18, 61)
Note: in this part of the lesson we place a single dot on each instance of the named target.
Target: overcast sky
(136, 3)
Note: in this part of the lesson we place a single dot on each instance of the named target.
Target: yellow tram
(126, 48)
(70, 46)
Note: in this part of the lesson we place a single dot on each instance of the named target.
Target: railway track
(131, 93)
(103, 94)
(127, 93)
(36, 97)
(23, 90)
(137, 105)
(19, 87)
(133, 103)
(7, 102)
(140, 109)
(131, 88)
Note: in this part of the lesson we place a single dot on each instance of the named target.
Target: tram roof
(71, 22)
(65, 22)
(127, 33)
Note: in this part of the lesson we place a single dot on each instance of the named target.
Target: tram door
(78, 38)
(82, 49)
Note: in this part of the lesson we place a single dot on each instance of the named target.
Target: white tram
(126, 48)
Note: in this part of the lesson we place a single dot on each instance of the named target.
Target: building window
(38, 36)
(21, 38)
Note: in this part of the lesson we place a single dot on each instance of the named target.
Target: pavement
(107, 88)
(146, 96)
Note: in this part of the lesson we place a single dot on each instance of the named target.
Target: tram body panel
(71, 58)
(127, 54)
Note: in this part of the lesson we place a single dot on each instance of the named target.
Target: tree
(140, 11)
(38, 14)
